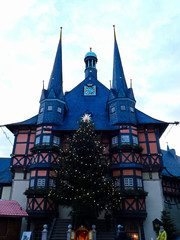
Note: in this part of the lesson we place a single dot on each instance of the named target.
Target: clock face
(90, 90)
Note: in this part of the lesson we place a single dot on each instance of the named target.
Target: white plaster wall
(18, 189)
(154, 203)
(19, 175)
(6, 193)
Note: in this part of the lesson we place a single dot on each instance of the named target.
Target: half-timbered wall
(151, 154)
(24, 141)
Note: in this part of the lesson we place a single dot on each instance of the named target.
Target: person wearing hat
(162, 234)
(121, 234)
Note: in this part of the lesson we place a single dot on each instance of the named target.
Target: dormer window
(49, 108)
(59, 110)
(113, 109)
(131, 109)
(123, 108)
(114, 140)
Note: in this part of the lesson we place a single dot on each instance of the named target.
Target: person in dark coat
(121, 234)
(108, 217)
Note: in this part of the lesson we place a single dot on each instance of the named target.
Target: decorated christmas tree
(82, 181)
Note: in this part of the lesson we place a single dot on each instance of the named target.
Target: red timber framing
(21, 155)
(151, 155)
(39, 204)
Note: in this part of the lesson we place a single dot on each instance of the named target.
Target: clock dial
(90, 90)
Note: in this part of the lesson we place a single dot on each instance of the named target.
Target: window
(41, 182)
(49, 108)
(56, 140)
(51, 183)
(113, 109)
(41, 110)
(37, 140)
(115, 140)
(46, 139)
(59, 110)
(139, 182)
(131, 109)
(128, 182)
(125, 139)
(32, 183)
(123, 108)
(135, 140)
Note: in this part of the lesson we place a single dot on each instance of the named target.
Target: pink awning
(11, 208)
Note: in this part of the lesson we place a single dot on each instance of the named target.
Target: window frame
(114, 140)
(49, 108)
(125, 142)
(123, 107)
(41, 182)
(46, 142)
(128, 183)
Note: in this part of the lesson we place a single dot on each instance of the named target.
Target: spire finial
(60, 33)
(114, 31)
(110, 83)
(90, 49)
(43, 84)
(130, 83)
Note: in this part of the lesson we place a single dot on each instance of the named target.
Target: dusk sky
(148, 36)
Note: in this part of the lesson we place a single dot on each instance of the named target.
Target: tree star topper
(86, 117)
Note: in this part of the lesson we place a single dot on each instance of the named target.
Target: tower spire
(118, 81)
(56, 78)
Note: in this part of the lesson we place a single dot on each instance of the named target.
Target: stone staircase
(60, 229)
(61, 226)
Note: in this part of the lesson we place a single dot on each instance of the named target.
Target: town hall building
(131, 141)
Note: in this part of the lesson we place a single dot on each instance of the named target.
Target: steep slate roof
(31, 121)
(5, 174)
(172, 162)
(56, 78)
(118, 81)
(11, 208)
(78, 104)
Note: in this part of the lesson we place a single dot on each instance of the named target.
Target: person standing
(162, 234)
(108, 217)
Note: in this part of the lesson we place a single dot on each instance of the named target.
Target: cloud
(148, 36)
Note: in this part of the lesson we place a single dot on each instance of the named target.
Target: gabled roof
(5, 174)
(11, 208)
(171, 162)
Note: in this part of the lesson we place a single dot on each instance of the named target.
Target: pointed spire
(118, 73)
(56, 79)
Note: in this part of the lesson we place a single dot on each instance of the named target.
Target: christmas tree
(168, 225)
(82, 181)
